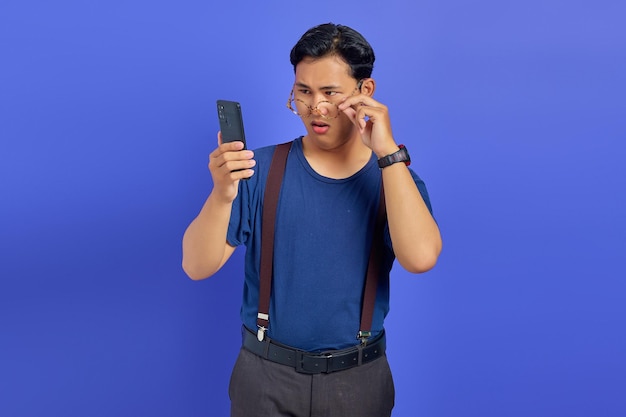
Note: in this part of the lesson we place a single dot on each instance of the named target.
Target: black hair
(343, 41)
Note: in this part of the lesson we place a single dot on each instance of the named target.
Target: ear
(368, 86)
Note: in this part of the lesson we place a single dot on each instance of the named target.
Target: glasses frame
(293, 98)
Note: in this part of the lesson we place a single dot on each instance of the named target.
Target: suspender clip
(260, 334)
(363, 335)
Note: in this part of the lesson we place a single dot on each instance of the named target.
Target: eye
(304, 91)
(331, 93)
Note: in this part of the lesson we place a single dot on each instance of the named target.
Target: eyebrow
(326, 87)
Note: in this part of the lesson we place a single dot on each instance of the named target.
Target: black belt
(314, 363)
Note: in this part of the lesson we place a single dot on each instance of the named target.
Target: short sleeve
(239, 225)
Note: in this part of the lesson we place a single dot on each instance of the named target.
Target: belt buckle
(312, 364)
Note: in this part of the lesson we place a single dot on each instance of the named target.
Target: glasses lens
(324, 108)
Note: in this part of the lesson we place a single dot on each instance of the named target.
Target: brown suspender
(268, 222)
(373, 272)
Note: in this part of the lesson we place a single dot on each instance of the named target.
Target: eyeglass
(331, 110)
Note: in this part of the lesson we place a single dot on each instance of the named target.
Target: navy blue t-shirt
(322, 243)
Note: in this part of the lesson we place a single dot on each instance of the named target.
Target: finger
(220, 141)
(239, 165)
(240, 175)
(351, 113)
(357, 101)
(366, 114)
(232, 146)
(223, 154)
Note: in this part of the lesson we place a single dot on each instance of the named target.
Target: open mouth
(319, 127)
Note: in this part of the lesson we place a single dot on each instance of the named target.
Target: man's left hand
(372, 120)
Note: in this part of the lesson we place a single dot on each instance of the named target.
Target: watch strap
(402, 155)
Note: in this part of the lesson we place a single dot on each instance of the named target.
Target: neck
(338, 162)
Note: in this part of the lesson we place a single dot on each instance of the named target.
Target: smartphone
(231, 121)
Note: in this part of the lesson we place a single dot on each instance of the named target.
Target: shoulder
(265, 153)
(263, 157)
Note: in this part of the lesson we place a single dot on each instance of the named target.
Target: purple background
(514, 114)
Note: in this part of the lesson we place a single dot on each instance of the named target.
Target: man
(324, 230)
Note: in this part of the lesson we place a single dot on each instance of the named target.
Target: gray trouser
(260, 388)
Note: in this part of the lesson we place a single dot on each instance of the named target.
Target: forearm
(414, 233)
(204, 242)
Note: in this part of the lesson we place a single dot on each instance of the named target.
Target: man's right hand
(228, 164)
(205, 247)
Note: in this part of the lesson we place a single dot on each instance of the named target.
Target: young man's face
(321, 84)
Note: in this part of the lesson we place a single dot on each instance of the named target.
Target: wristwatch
(400, 156)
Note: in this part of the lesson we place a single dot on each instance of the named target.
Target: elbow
(419, 267)
(418, 263)
(199, 267)
(194, 272)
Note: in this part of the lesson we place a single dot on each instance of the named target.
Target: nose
(322, 108)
